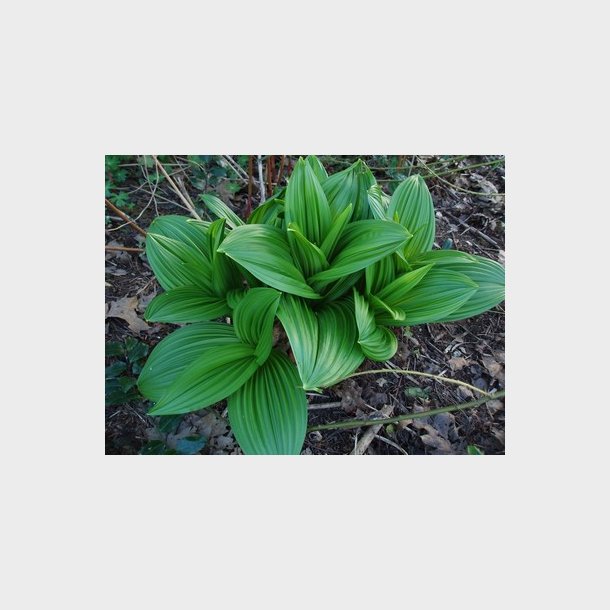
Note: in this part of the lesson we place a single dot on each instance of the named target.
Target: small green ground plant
(312, 284)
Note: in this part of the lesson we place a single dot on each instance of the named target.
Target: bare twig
(357, 423)
(124, 249)
(235, 167)
(279, 175)
(369, 435)
(325, 405)
(125, 217)
(482, 235)
(260, 178)
(387, 441)
(418, 374)
(187, 203)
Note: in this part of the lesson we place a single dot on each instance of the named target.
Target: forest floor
(468, 197)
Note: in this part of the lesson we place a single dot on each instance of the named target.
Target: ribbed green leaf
(384, 314)
(395, 293)
(378, 202)
(317, 168)
(309, 257)
(225, 275)
(363, 243)
(306, 203)
(380, 274)
(350, 186)
(263, 250)
(338, 352)
(185, 304)
(301, 326)
(179, 252)
(268, 414)
(435, 297)
(486, 273)
(216, 373)
(177, 352)
(377, 343)
(220, 209)
(443, 258)
(336, 230)
(254, 316)
(411, 205)
(324, 343)
(336, 289)
(270, 212)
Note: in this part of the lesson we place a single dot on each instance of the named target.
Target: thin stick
(250, 172)
(391, 443)
(125, 218)
(418, 374)
(236, 167)
(357, 423)
(187, 203)
(325, 405)
(489, 240)
(124, 249)
(279, 175)
(369, 435)
(260, 178)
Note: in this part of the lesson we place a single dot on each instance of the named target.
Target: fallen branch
(187, 203)
(124, 249)
(367, 438)
(325, 405)
(125, 217)
(260, 178)
(418, 374)
(489, 240)
(357, 423)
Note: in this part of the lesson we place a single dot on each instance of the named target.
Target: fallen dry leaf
(494, 368)
(457, 364)
(125, 309)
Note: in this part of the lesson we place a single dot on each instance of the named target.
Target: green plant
(335, 260)
(125, 361)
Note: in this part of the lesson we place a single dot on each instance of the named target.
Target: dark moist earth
(469, 211)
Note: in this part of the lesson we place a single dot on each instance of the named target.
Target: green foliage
(124, 362)
(334, 259)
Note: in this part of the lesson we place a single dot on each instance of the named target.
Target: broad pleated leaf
(268, 414)
(178, 351)
(225, 275)
(395, 293)
(317, 168)
(435, 297)
(309, 257)
(350, 186)
(363, 243)
(443, 258)
(380, 274)
(179, 252)
(221, 210)
(384, 314)
(336, 230)
(486, 273)
(306, 203)
(378, 202)
(270, 212)
(377, 343)
(185, 304)
(254, 316)
(263, 250)
(216, 373)
(335, 290)
(411, 205)
(301, 326)
(338, 352)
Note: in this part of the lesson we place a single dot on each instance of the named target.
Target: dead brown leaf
(125, 309)
(495, 369)
(457, 364)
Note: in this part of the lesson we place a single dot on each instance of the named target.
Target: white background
(85, 530)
